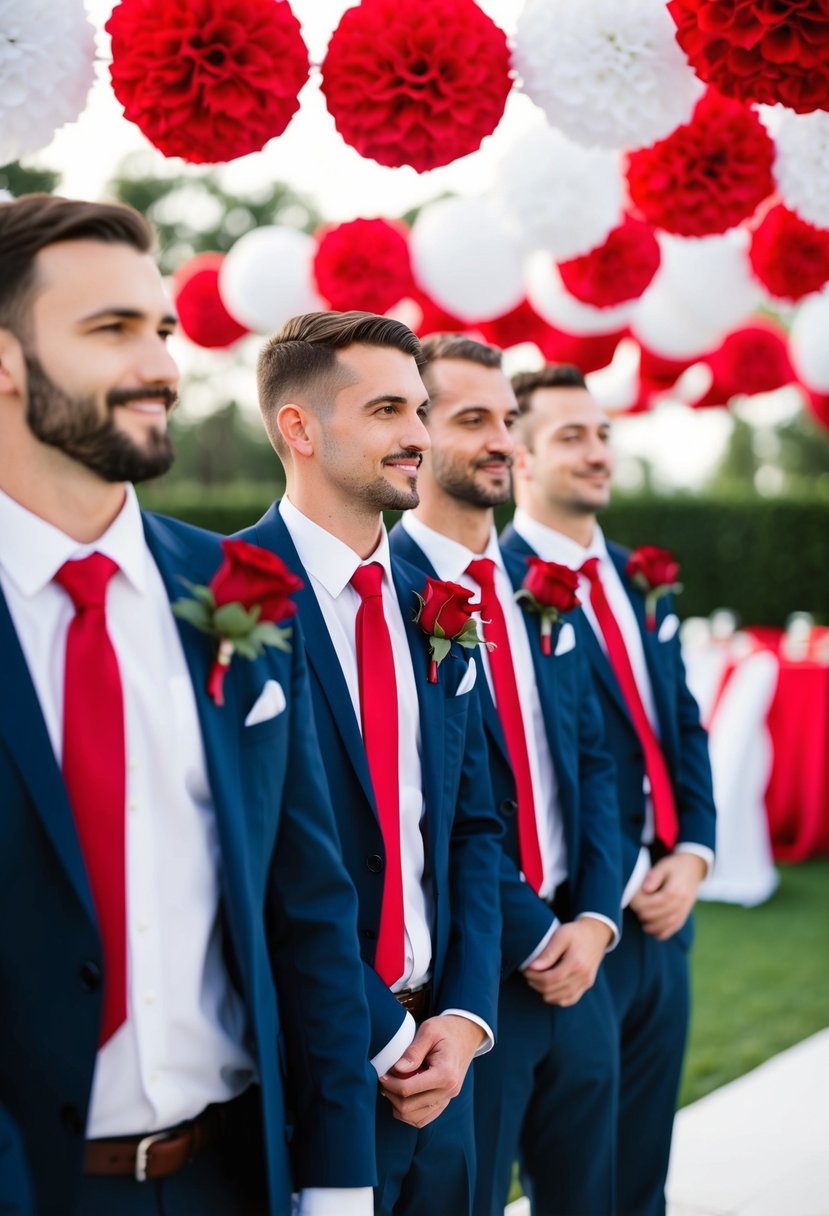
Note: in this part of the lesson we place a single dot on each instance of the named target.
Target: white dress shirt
(330, 565)
(450, 560)
(553, 546)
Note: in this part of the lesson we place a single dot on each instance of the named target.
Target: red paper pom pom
(789, 256)
(759, 50)
(433, 319)
(616, 271)
(207, 80)
(363, 264)
(818, 406)
(588, 352)
(416, 84)
(203, 316)
(708, 175)
(751, 360)
(521, 324)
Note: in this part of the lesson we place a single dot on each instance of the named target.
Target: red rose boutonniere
(445, 614)
(246, 596)
(654, 572)
(550, 590)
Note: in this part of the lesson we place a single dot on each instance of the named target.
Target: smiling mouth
(406, 464)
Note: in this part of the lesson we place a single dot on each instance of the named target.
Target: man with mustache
(343, 404)
(173, 903)
(546, 1095)
(563, 467)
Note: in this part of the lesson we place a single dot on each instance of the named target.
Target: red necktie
(509, 711)
(94, 766)
(378, 712)
(664, 806)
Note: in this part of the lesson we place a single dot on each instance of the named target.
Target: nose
(416, 435)
(157, 365)
(598, 451)
(501, 440)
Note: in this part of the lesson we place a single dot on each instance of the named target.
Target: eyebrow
(126, 314)
(391, 399)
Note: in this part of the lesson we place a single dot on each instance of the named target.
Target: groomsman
(343, 404)
(182, 1009)
(562, 475)
(547, 1094)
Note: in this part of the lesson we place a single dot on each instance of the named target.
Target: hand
(431, 1070)
(568, 964)
(664, 901)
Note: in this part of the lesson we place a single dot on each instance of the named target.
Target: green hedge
(763, 558)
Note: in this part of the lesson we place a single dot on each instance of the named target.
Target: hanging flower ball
(207, 80)
(607, 73)
(759, 51)
(464, 257)
(47, 57)
(789, 256)
(709, 175)
(558, 196)
(267, 278)
(808, 343)
(553, 302)
(201, 313)
(616, 271)
(416, 84)
(712, 277)
(801, 165)
(363, 264)
(751, 360)
(521, 324)
(588, 352)
(431, 318)
(663, 322)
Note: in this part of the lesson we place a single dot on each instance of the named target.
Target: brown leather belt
(418, 1001)
(159, 1154)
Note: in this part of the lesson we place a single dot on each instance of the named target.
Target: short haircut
(459, 346)
(35, 221)
(551, 375)
(301, 358)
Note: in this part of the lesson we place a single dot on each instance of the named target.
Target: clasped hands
(431, 1070)
(665, 899)
(568, 964)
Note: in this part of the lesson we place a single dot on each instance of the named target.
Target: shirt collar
(33, 550)
(328, 559)
(554, 546)
(449, 558)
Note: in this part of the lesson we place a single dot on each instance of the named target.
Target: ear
(11, 364)
(292, 423)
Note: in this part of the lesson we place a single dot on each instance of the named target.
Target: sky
(312, 158)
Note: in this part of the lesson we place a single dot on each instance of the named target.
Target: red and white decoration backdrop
(676, 183)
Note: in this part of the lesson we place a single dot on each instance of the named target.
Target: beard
(73, 425)
(460, 483)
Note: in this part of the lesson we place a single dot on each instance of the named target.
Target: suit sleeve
(15, 1190)
(319, 976)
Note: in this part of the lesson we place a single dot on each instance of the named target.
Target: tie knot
(482, 569)
(590, 569)
(367, 581)
(85, 581)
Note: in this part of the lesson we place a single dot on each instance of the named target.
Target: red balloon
(201, 313)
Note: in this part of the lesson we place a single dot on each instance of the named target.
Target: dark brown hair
(551, 375)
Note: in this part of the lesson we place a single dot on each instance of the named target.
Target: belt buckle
(142, 1153)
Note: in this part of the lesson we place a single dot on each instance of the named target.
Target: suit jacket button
(374, 863)
(90, 976)
(72, 1119)
(509, 806)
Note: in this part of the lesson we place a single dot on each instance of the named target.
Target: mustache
(495, 458)
(159, 392)
(407, 454)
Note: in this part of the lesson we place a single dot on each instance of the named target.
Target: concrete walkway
(756, 1147)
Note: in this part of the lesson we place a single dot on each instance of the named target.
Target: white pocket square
(566, 638)
(469, 678)
(668, 627)
(269, 703)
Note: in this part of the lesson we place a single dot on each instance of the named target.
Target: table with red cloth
(797, 798)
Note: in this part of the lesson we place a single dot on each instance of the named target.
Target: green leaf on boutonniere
(195, 612)
(267, 633)
(235, 621)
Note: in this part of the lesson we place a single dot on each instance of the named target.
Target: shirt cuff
(334, 1201)
(541, 945)
(489, 1041)
(614, 941)
(391, 1053)
(637, 877)
(698, 850)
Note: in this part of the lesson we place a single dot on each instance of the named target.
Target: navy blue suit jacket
(585, 776)
(684, 741)
(288, 909)
(461, 829)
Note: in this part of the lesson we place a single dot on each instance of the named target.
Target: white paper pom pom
(808, 345)
(665, 325)
(267, 278)
(801, 165)
(558, 196)
(552, 302)
(712, 277)
(466, 260)
(47, 56)
(606, 72)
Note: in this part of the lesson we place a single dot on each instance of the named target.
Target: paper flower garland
(789, 256)
(605, 72)
(47, 54)
(708, 175)
(363, 264)
(751, 360)
(207, 80)
(756, 50)
(801, 165)
(548, 296)
(201, 313)
(616, 271)
(416, 84)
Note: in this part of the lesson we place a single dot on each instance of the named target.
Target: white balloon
(801, 165)
(557, 307)
(557, 195)
(809, 342)
(465, 259)
(665, 325)
(267, 277)
(712, 277)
